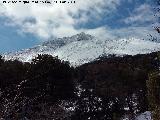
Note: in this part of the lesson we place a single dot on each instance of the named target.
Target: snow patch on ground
(144, 116)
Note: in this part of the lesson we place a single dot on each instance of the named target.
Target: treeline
(27, 88)
(123, 81)
(109, 88)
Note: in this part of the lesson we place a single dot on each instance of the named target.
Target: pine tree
(153, 85)
(1, 60)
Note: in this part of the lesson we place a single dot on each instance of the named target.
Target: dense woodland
(108, 88)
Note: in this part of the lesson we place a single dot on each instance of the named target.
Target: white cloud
(59, 20)
(136, 32)
(143, 13)
(56, 20)
(129, 32)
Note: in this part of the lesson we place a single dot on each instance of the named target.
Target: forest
(109, 88)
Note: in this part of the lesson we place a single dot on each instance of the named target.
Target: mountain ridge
(83, 48)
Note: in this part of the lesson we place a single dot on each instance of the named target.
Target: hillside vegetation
(109, 88)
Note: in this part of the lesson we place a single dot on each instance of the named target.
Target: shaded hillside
(121, 78)
(128, 72)
(35, 90)
(109, 88)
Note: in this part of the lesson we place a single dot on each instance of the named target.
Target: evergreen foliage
(106, 89)
(153, 85)
(25, 87)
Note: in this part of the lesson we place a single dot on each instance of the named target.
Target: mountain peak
(65, 40)
(83, 48)
(82, 36)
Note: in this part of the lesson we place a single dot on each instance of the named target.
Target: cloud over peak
(94, 17)
(56, 20)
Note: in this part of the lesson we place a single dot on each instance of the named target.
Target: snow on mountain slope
(83, 48)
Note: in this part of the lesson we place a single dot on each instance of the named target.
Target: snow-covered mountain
(83, 48)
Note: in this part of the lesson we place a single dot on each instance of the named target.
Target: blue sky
(11, 40)
(23, 26)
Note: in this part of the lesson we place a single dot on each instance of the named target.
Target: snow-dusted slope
(83, 48)
(144, 116)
